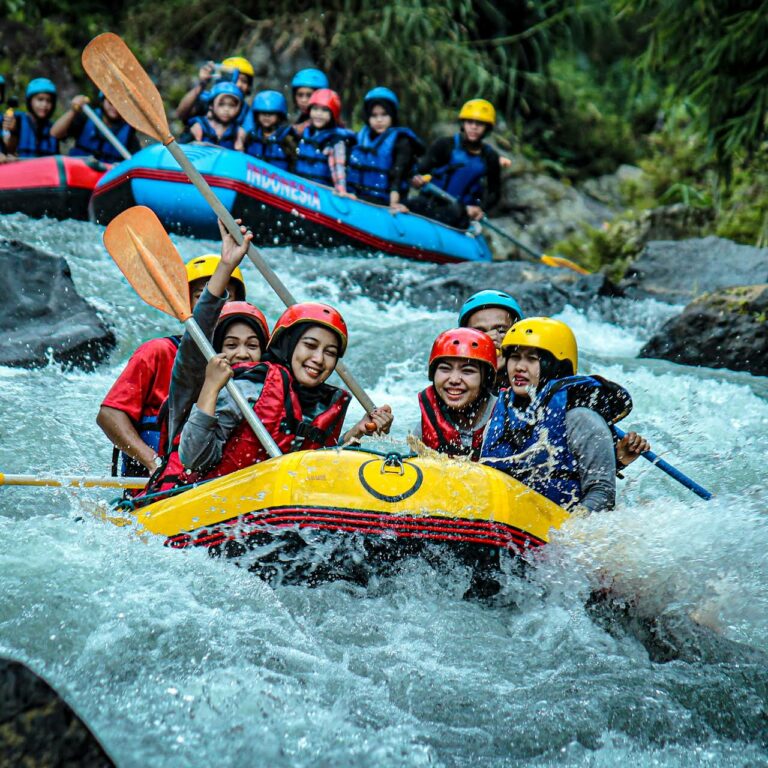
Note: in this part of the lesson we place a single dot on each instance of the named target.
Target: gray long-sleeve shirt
(590, 441)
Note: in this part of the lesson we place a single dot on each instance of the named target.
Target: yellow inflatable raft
(378, 494)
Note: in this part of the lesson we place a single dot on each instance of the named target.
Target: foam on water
(178, 658)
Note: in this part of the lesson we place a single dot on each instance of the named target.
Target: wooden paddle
(140, 246)
(64, 481)
(550, 261)
(105, 132)
(115, 70)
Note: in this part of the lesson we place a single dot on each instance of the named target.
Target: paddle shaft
(267, 272)
(73, 481)
(270, 446)
(673, 472)
(108, 135)
(537, 258)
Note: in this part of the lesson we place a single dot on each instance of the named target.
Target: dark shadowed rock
(539, 289)
(679, 271)
(724, 329)
(38, 728)
(41, 311)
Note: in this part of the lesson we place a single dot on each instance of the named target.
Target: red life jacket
(440, 433)
(279, 409)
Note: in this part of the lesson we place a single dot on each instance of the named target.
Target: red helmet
(325, 97)
(245, 312)
(466, 343)
(314, 313)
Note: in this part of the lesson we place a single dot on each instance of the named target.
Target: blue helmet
(309, 78)
(41, 85)
(486, 299)
(270, 101)
(381, 94)
(225, 89)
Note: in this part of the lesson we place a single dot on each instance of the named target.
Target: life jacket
(371, 160)
(269, 148)
(438, 431)
(311, 160)
(532, 444)
(151, 430)
(91, 142)
(228, 138)
(35, 140)
(463, 176)
(279, 409)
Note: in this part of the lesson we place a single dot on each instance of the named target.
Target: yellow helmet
(545, 333)
(202, 267)
(479, 109)
(243, 66)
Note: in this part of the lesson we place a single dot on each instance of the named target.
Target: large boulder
(539, 211)
(42, 316)
(540, 289)
(723, 329)
(38, 728)
(678, 271)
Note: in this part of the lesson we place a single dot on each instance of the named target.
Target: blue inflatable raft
(280, 207)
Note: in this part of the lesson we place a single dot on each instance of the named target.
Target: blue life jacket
(532, 444)
(311, 161)
(91, 142)
(371, 160)
(270, 148)
(227, 139)
(463, 176)
(35, 140)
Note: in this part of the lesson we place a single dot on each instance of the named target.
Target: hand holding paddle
(141, 248)
(108, 135)
(116, 71)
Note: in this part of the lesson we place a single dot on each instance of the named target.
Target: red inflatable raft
(56, 186)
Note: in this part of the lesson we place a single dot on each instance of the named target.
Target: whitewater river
(174, 658)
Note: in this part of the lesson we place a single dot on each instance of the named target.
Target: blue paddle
(673, 472)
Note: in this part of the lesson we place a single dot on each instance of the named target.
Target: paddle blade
(140, 246)
(560, 261)
(112, 66)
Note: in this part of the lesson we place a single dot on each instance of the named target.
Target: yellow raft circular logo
(390, 480)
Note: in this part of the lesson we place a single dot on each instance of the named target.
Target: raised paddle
(140, 246)
(673, 472)
(550, 261)
(65, 481)
(115, 70)
(108, 135)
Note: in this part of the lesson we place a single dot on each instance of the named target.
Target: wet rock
(42, 316)
(540, 211)
(611, 188)
(539, 289)
(38, 728)
(680, 271)
(724, 329)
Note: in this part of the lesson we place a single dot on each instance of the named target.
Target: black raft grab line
(383, 497)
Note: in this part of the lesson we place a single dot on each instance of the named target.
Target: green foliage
(714, 54)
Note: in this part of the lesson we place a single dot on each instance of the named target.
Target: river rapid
(175, 658)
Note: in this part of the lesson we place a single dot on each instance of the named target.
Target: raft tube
(387, 498)
(280, 207)
(55, 185)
